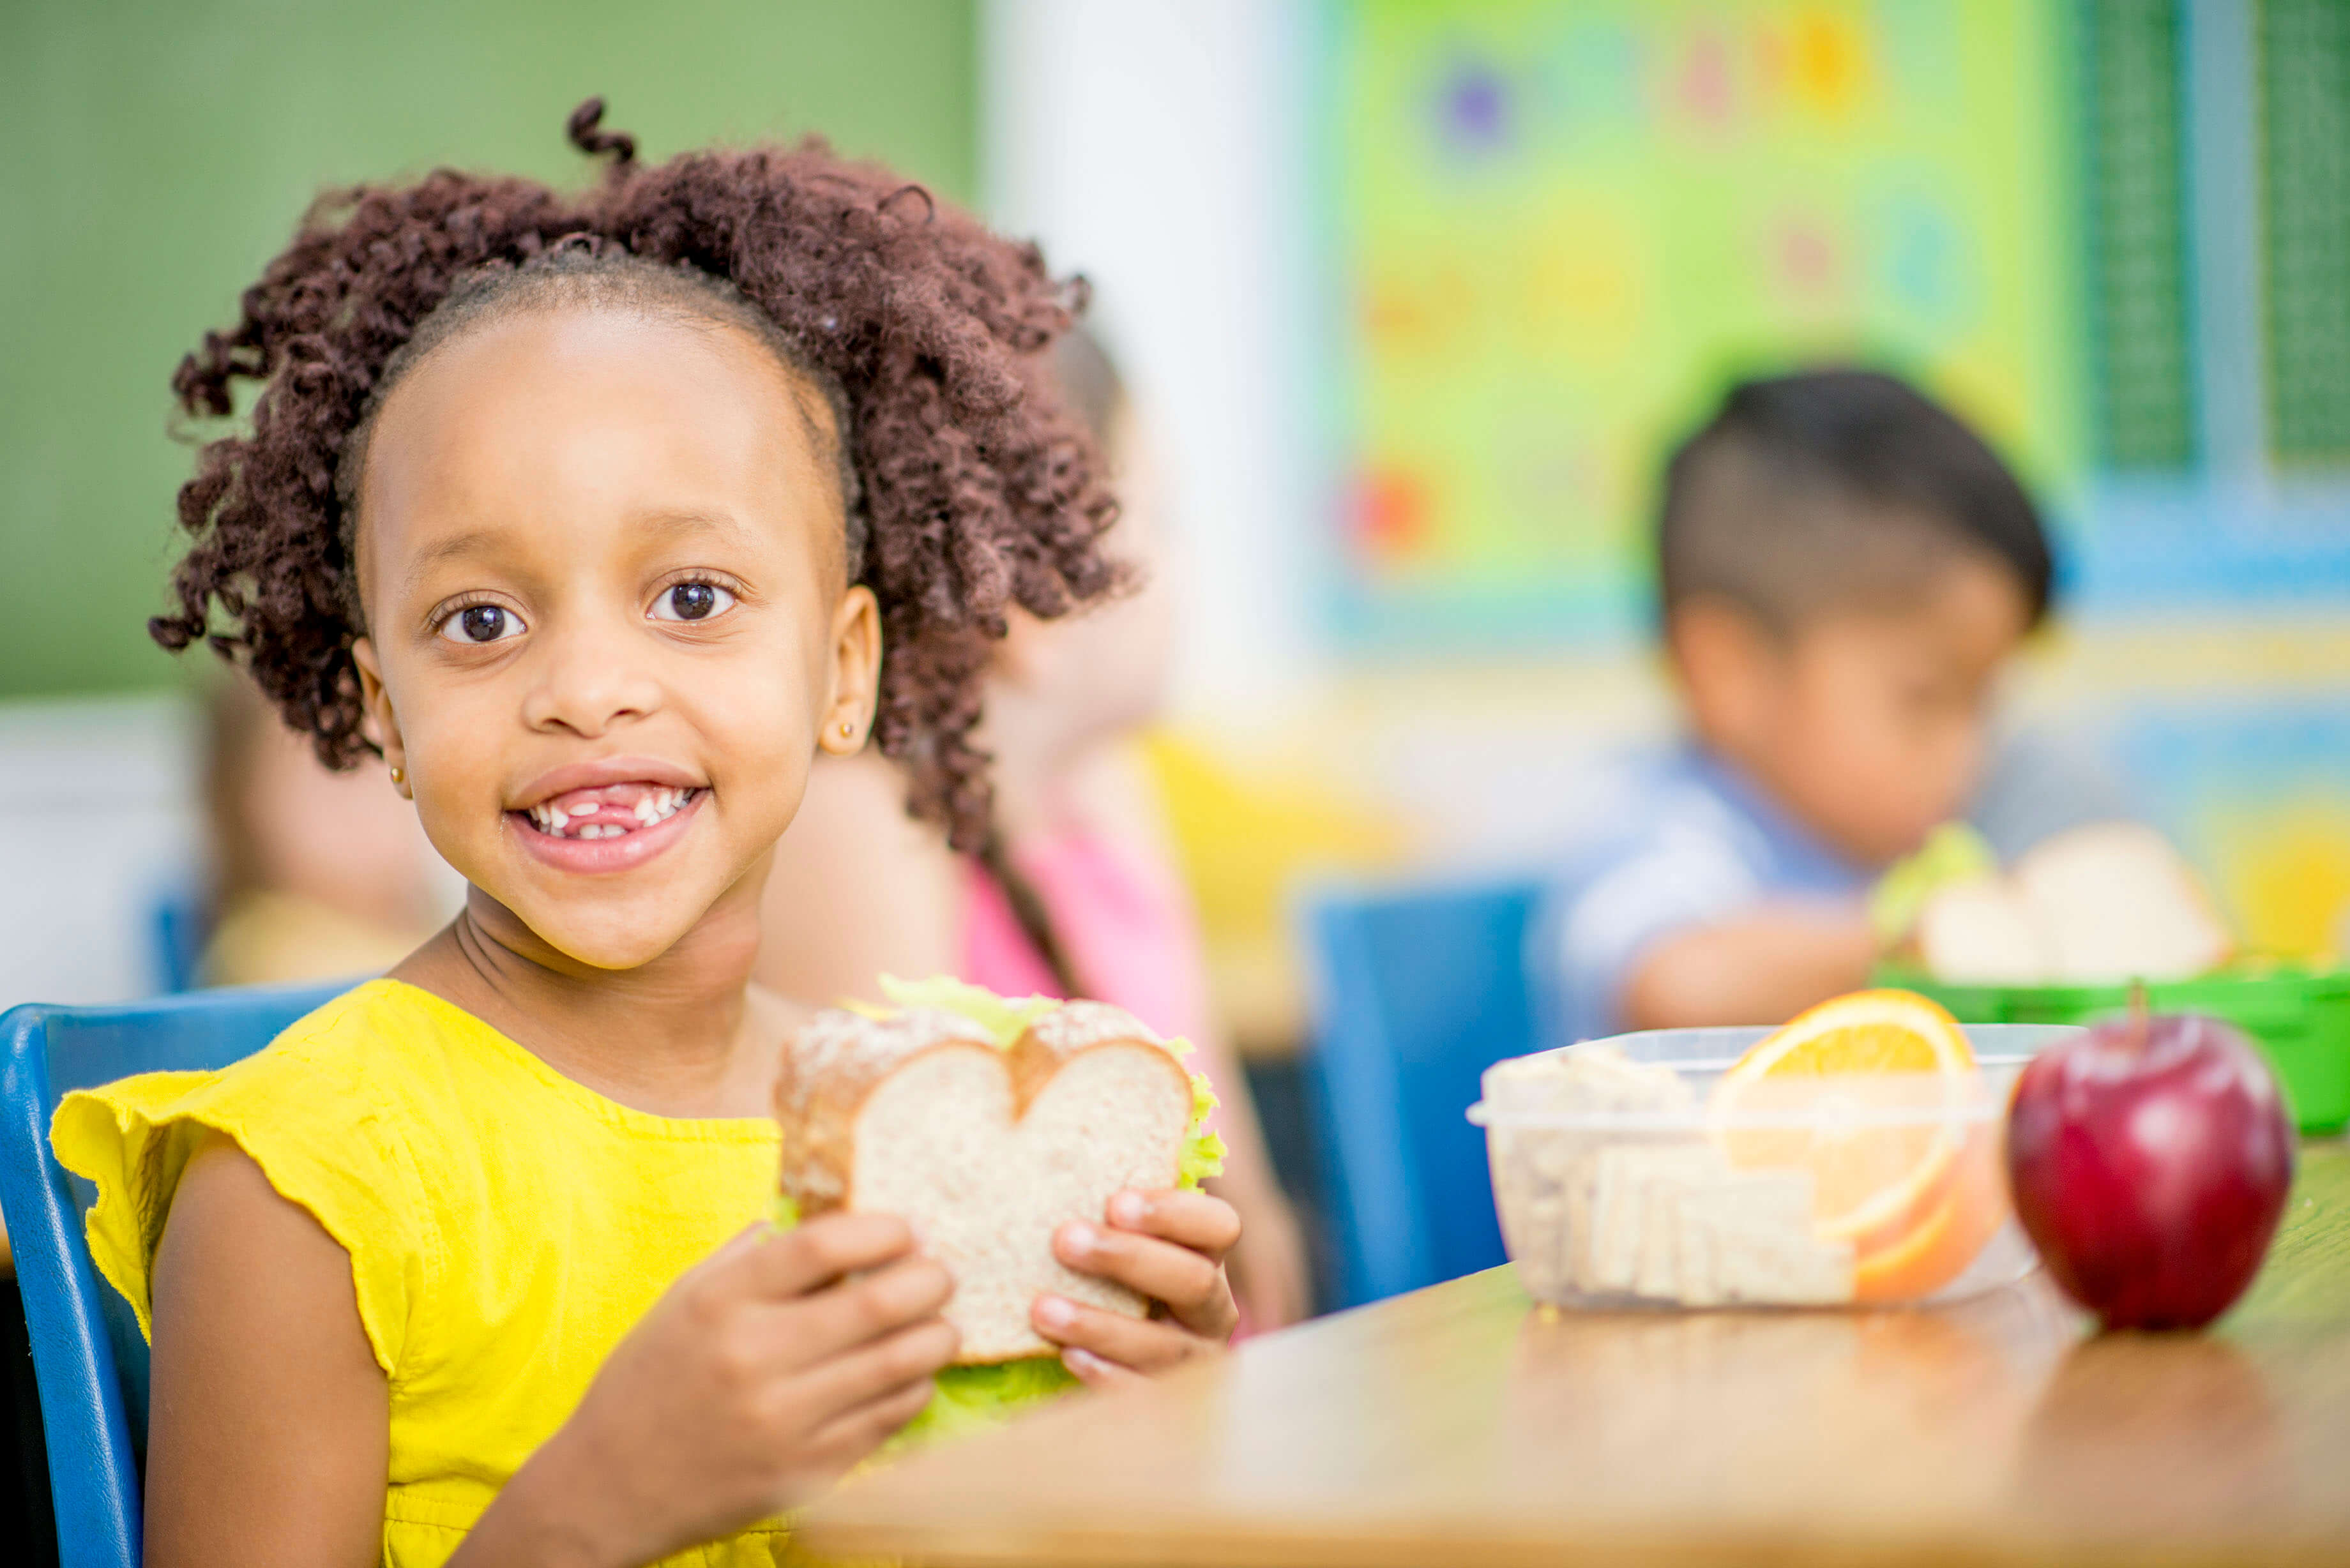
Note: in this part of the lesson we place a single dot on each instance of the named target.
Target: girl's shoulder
(386, 1042)
(353, 1058)
(381, 1053)
(373, 1007)
(334, 1111)
(429, 1146)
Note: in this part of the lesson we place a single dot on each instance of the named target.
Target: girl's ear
(377, 717)
(856, 673)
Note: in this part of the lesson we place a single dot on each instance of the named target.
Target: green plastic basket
(2302, 1019)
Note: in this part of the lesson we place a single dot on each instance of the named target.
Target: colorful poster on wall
(1557, 231)
(2251, 788)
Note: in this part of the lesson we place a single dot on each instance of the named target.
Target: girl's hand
(760, 1377)
(1168, 1246)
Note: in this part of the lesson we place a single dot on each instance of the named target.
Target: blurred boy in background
(1844, 570)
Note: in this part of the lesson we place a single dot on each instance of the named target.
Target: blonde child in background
(1845, 571)
(316, 874)
(591, 511)
(1078, 891)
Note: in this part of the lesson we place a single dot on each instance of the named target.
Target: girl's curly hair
(968, 488)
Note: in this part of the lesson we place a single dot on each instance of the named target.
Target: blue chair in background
(1419, 989)
(177, 935)
(88, 1359)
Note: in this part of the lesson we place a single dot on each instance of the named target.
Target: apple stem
(2141, 1023)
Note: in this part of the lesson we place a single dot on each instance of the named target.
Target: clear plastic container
(1625, 1176)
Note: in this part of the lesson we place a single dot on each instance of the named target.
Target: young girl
(1078, 893)
(599, 516)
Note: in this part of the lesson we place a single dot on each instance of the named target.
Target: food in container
(1624, 1174)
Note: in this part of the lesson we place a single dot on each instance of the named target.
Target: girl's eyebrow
(477, 542)
(456, 547)
(689, 523)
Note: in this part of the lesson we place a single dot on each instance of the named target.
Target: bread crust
(829, 1065)
(833, 1064)
(1068, 1032)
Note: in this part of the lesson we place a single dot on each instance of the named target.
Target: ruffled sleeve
(309, 1126)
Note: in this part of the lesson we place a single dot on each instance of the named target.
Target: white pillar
(1158, 147)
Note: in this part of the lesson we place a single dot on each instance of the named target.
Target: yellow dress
(507, 1226)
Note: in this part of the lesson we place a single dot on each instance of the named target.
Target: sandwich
(2096, 905)
(987, 1123)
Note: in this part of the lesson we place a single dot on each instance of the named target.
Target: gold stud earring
(399, 774)
(847, 730)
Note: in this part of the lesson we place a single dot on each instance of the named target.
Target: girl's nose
(587, 682)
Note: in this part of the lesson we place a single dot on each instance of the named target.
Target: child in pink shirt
(1078, 891)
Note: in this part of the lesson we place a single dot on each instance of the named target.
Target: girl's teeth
(652, 807)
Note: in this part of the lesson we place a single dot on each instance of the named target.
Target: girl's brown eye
(481, 623)
(691, 601)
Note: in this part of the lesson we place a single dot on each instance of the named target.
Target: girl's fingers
(1190, 1284)
(817, 1328)
(908, 1356)
(1199, 1220)
(780, 1265)
(1138, 1344)
(1095, 1373)
(853, 1434)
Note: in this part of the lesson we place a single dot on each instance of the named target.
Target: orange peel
(1907, 1188)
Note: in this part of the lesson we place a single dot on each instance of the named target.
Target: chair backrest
(178, 936)
(1419, 989)
(88, 1358)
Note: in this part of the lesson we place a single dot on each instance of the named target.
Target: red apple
(2149, 1159)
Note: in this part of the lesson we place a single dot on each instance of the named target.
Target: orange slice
(1892, 1177)
(1965, 1210)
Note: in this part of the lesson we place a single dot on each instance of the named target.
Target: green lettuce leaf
(1954, 852)
(783, 1213)
(1203, 1151)
(975, 1398)
(1002, 1017)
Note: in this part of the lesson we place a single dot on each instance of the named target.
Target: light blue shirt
(1688, 840)
(1693, 843)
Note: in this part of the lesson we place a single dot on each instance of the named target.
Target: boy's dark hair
(1825, 486)
(967, 487)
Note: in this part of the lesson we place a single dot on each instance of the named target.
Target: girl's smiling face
(601, 557)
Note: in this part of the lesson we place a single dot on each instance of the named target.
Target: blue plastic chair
(88, 1359)
(177, 935)
(1419, 989)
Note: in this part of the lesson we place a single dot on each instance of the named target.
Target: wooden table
(1456, 1426)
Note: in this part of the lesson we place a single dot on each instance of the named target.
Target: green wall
(158, 153)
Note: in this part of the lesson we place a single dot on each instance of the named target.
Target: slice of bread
(2118, 903)
(2097, 905)
(1983, 931)
(985, 1151)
